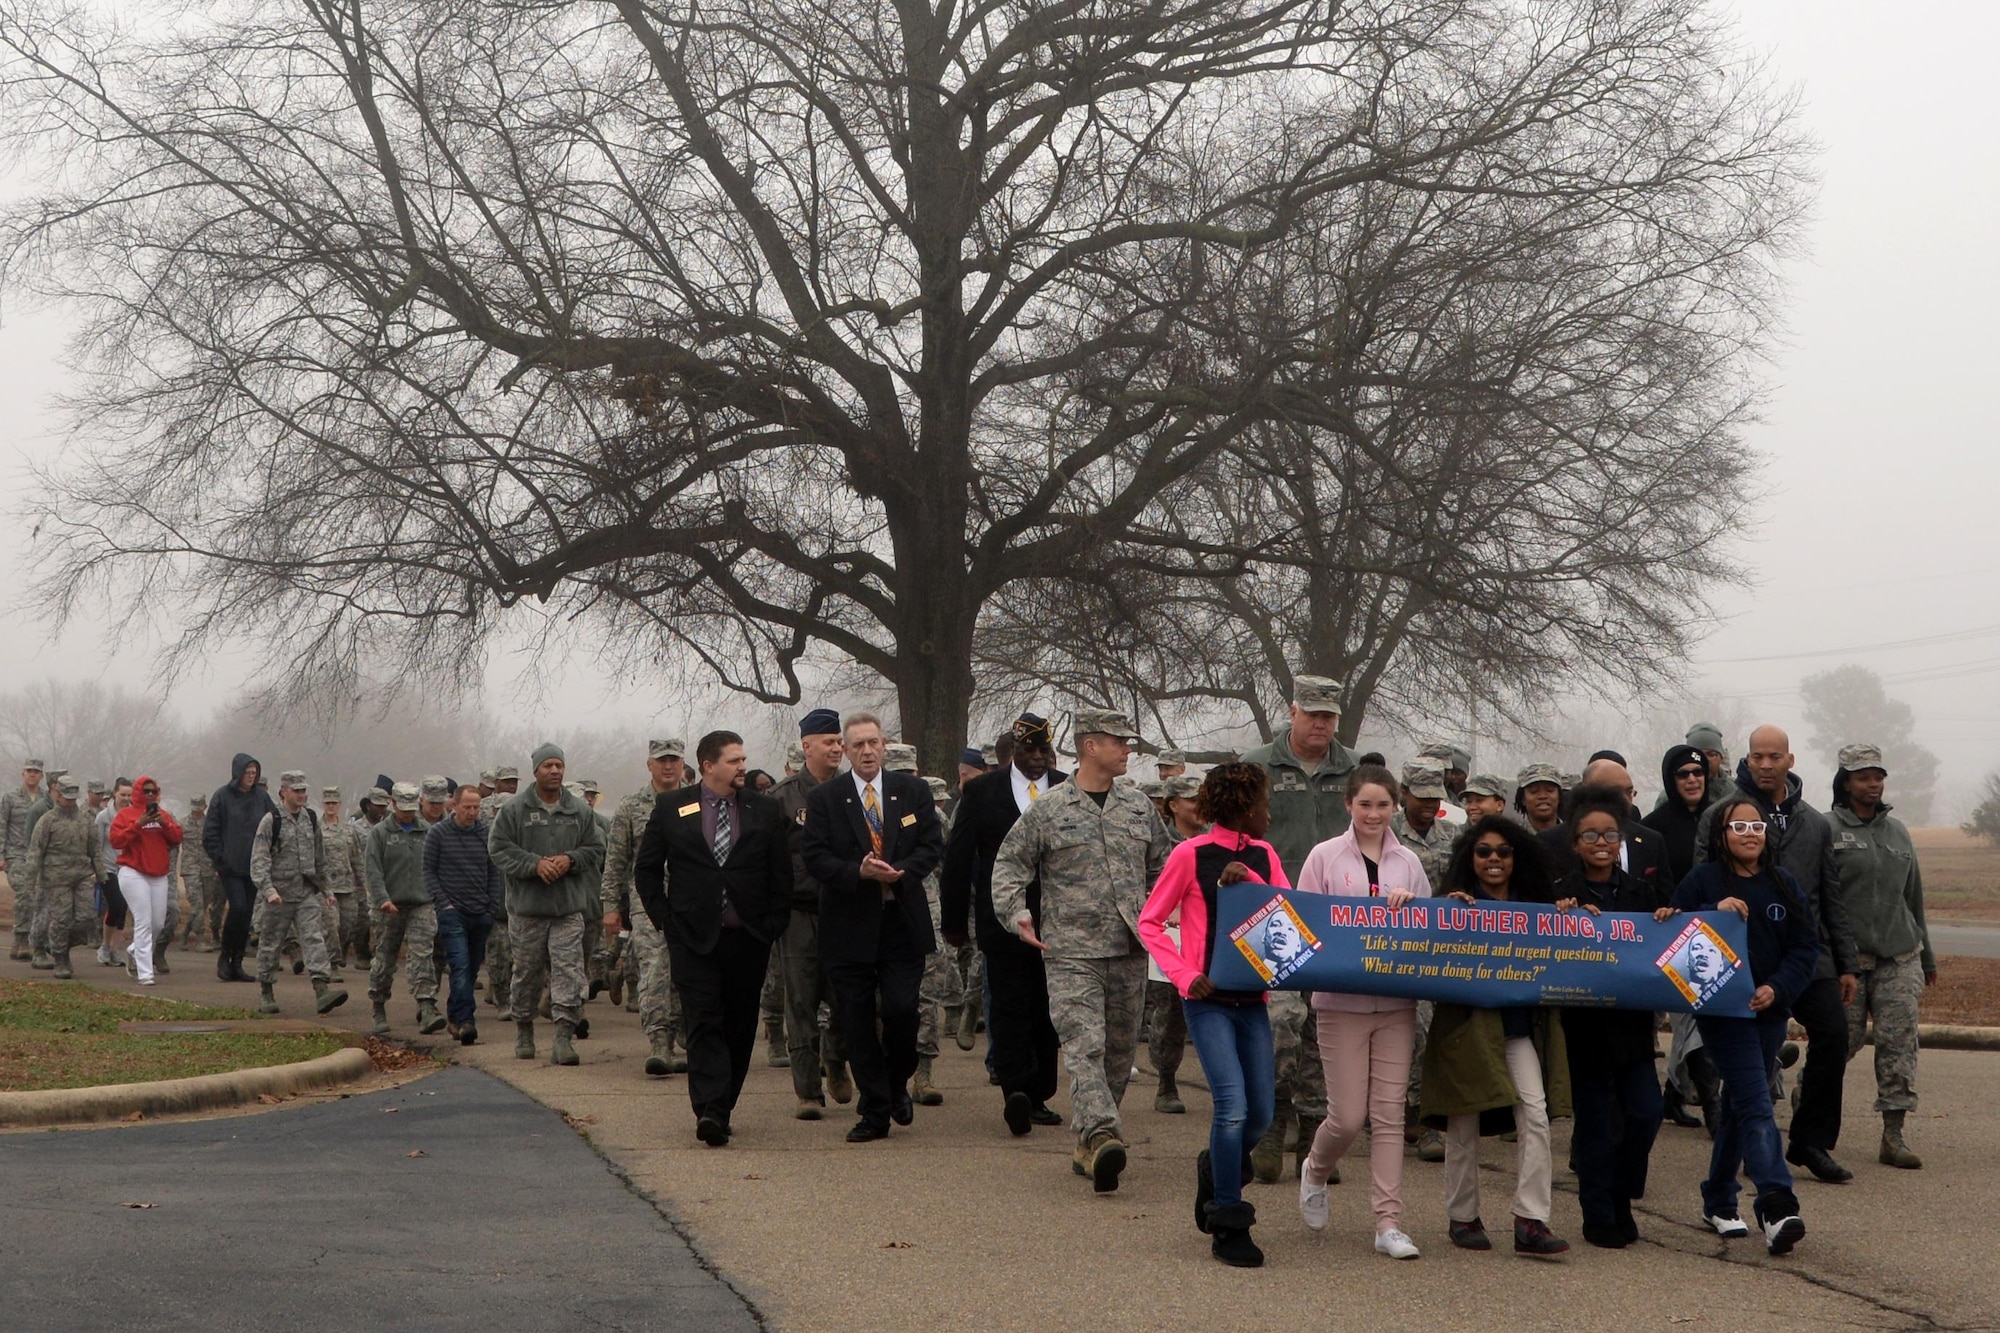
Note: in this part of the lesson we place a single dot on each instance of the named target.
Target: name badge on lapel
(692, 808)
(909, 820)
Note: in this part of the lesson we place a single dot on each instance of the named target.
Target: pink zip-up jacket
(1187, 886)
(1337, 866)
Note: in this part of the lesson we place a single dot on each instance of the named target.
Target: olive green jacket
(1465, 1063)
(1307, 808)
(1881, 885)
(525, 831)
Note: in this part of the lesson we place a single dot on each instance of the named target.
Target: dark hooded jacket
(1805, 847)
(233, 815)
(1672, 819)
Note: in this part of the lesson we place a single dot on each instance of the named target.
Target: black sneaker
(711, 1131)
(1016, 1113)
(1535, 1240)
(1782, 1229)
(1044, 1117)
(1471, 1235)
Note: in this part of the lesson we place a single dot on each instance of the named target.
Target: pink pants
(1367, 1061)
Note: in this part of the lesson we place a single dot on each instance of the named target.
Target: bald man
(1805, 847)
(1642, 853)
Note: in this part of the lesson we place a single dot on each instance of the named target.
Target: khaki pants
(1531, 1125)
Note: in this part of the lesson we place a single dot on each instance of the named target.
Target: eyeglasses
(1592, 836)
(1680, 773)
(1484, 852)
(1747, 826)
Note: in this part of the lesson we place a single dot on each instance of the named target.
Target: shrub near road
(67, 1036)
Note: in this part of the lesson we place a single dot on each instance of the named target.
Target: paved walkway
(953, 1223)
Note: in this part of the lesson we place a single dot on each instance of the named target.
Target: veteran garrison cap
(899, 758)
(1316, 694)
(1105, 722)
(671, 748)
(1486, 784)
(1534, 773)
(1033, 729)
(1854, 758)
(293, 779)
(1424, 780)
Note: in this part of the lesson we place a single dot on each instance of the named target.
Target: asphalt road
(1966, 941)
(453, 1202)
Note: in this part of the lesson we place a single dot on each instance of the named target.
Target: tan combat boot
(1894, 1151)
(922, 1091)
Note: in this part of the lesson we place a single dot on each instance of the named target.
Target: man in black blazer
(714, 872)
(1642, 853)
(1027, 1056)
(871, 837)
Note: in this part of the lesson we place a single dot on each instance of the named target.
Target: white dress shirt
(1021, 798)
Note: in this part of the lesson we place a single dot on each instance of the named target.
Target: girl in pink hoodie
(1364, 1040)
(1231, 1030)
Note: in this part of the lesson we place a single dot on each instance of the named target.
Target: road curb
(206, 1092)
(1952, 1037)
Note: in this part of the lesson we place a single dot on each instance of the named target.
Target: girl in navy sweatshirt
(1742, 876)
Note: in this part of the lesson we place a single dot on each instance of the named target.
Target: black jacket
(985, 812)
(757, 876)
(791, 794)
(1645, 855)
(1784, 939)
(1805, 847)
(1671, 819)
(1601, 1040)
(230, 826)
(836, 838)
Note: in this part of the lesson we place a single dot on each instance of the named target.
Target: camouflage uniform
(14, 807)
(61, 866)
(394, 869)
(346, 873)
(952, 976)
(646, 952)
(296, 872)
(816, 1052)
(499, 947)
(201, 884)
(1433, 849)
(1096, 868)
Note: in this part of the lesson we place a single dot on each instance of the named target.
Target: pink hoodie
(1336, 866)
(1179, 890)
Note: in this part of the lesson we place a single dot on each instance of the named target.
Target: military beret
(434, 788)
(1855, 758)
(405, 797)
(1316, 694)
(1424, 780)
(1534, 773)
(66, 786)
(1031, 729)
(899, 758)
(820, 722)
(293, 779)
(39, 765)
(1105, 722)
(1486, 784)
(666, 749)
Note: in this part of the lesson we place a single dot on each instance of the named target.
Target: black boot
(1229, 1224)
(222, 965)
(1676, 1110)
(236, 972)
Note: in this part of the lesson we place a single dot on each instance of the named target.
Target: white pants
(1531, 1127)
(146, 898)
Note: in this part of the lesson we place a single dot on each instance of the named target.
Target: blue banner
(1491, 955)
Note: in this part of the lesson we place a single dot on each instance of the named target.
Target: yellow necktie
(1033, 794)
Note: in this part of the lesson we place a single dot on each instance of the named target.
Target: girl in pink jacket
(1364, 1040)
(1231, 1030)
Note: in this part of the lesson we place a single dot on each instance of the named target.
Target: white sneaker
(1782, 1233)
(1395, 1244)
(145, 981)
(1731, 1227)
(1312, 1204)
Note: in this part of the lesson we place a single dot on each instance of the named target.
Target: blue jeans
(1746, 1132)
(463, 935)
(1233, 1042)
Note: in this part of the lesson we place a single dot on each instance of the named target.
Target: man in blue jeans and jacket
(466, 890)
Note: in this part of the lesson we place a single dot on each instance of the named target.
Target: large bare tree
(736, 332)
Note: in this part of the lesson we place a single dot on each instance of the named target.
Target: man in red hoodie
(144, 836)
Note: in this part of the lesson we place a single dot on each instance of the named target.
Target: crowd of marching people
(861, 913)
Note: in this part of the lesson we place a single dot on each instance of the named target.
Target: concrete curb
(207, 1092)
(1951, 1037)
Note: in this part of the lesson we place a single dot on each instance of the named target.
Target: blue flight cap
(819, 722)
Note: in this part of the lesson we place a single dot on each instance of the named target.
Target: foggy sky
(1878, 444)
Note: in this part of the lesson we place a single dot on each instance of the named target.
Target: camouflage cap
(66, 786)
(1854, 758)
(329, 793)
(1449, 756)
(990, 754)
(1534, 773)
(795, 755)
(590, 787)
(1170, 756)
(435, 788)
(1316, 694)
(97, 787)
(1424, 780)
(197, 802)
(55, 773)
(1154, 790)
(1571, 781)
(940, 789)
(1487, 784)
(485, 777)
(1105, 722)
(293, 779)
(376, 796)
(1183, 787)
(899, 758)
(39, 765)
(406, 797)
(666, 749)
(506, 773)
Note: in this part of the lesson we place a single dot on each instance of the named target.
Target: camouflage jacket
(14, 808)
(621, 844)
(296, 868)
(346, 862)
(1433, 849)
(1096, 869)
(63, 853)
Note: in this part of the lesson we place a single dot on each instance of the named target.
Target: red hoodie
(144, 847)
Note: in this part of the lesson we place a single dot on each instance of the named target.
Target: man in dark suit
(714, 872)
(1642, 853)
(1026, 1053)
(871, 837)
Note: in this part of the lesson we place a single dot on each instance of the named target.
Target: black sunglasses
(1484, 851)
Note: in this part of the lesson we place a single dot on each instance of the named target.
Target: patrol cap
(1449, 756)
(197, 802)
(485, 777)
(899, 758)
(1571, 781)
(405, 797)
(293, 779)
(434, 788)
(1153, 789)
(1855, 758)
(376, 796)
(666, 749)
(1316, 694)
(1534, 773)
(1033, 729)
(329, 793)
(820, 722)
(1169, 756)
(97, 787)
(795, 755)
(1105, 722)
(1182, 787)
(1424, 780)
(989, 755)
(939, 788)
(1486, 784)
(55, 773)
(1705, 736)
(66, 786)
(39, 765)
(590, 787)
(506, 773)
